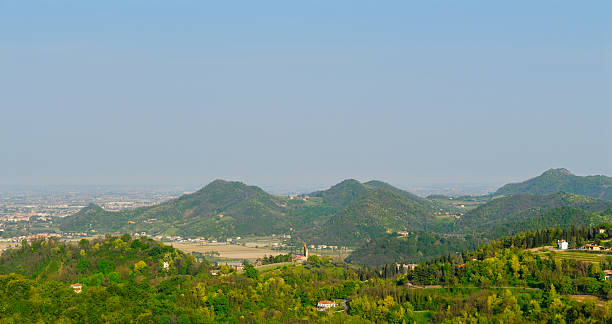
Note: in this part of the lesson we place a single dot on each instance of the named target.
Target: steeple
(305, 250)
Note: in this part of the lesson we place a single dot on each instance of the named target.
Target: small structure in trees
(562, 244)
(77, 287)
(324, 305)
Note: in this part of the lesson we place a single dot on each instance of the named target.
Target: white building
(77, 287)
(562, 244)
(325, 305)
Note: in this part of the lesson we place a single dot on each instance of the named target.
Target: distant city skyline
(303, 94)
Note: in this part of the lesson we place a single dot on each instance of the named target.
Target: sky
(300, 93)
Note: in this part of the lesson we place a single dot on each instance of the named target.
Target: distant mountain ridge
(557, 180)
(522, 210)
(497, 218)
(220, 208)
(377, 208)
(224, 209)
(352, 213)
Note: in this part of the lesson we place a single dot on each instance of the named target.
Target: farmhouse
(215, 272)
(591, 247)
(77, 287)
(602, 230)
(562, 244)
(608, 274)
(325, 305)
(404, 266)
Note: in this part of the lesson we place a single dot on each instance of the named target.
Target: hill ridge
(561, 179)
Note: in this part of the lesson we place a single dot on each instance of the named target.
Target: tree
(251, 272)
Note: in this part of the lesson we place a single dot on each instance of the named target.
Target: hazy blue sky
(183, 92)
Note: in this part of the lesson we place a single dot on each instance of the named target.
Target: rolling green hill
(222, 208)
(557, 180)
(96, 260)
(345, 214)
(379, 211)
(415, 248)
(342, 193)
(498, 217)
(522, 210)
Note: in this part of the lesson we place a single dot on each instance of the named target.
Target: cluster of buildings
(403, 267)
(217, 272)
(31, 237)
(563, 245)
(324, 305)
(324, 246)
(303, 198)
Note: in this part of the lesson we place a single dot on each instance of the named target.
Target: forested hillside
(353, 214)
(413, 248)
(557, 180)
(224, 209)
(97, 260)
(221, 208)
(497, 218)
(528, 211)
(373, 215)
(126, 280)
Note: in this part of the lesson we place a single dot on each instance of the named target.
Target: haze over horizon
(147, 92)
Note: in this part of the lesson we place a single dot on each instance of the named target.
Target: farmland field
(226, 251)
(572, 255)
(588, 298)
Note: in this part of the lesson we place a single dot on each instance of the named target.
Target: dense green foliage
(348, 214)
(524, 211)
(373, 215)
(500, 282)
(498, 217)
(413, 248)
(97, 260)
(556, 180)
(223, 209)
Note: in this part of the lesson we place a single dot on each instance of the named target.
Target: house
(409, 266)
(300, 259)
(592, 247)
(602, 230)
(325, 305)
(608, 274)
(562, 244)
(77, 287)
(239, 268)
(403, 233)
(215, 272)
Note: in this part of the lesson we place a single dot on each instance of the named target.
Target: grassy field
(588, 298)
(573, 255)
(226, 251)
(423, 316)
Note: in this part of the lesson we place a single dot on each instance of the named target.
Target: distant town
(33, 210)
